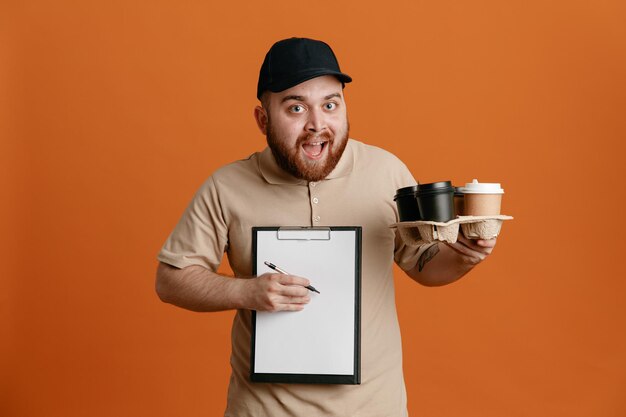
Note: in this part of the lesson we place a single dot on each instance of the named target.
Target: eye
(330, 106)
(296, 108)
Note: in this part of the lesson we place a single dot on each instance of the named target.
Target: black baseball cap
(292, 61)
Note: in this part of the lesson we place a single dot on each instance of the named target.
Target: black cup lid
(436, 187)
(406, 191)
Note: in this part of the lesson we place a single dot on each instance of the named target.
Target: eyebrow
(297, 98)
(301, 98)
(328, 97)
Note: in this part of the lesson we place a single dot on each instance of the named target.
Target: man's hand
(276, 292)
(198, 289)
(448, 262)
(472, 252)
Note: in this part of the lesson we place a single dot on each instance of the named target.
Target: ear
(260, 115)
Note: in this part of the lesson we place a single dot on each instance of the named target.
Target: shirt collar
(274, 174)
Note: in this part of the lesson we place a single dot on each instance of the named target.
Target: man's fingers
(486, 243)
(280, 292)
(296, 300)
(481, 246)
(291, 303)
(463, 249)
(294, 291)
(293, 280)
(474, 251)
(290, 307)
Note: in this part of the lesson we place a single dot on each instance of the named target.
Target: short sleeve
(201, 235)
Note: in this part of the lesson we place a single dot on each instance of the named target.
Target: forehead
(311, 90)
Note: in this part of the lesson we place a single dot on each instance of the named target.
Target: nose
(316, 121)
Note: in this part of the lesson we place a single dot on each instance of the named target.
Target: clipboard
(322, 343)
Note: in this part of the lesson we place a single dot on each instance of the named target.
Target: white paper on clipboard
(320, 344)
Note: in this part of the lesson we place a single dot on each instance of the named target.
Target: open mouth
(314, 150)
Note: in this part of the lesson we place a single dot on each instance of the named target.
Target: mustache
(312, 137)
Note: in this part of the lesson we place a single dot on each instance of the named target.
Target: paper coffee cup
(482, 199)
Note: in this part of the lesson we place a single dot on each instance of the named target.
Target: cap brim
(284, 84)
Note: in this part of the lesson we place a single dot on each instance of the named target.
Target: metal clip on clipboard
(303, 233)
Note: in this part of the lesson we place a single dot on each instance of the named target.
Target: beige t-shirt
(257, 192)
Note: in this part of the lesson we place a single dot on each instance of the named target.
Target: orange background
(112, 113)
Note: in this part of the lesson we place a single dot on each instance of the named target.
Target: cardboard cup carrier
(480, 217)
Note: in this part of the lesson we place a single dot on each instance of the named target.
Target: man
(311, 174)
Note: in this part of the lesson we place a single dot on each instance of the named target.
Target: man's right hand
(198, 289)
(276, 292)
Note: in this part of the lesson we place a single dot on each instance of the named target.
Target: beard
(292, 159)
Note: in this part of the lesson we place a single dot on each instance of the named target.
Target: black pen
(277, 269)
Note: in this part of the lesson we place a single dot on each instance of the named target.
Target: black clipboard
(322, 343)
